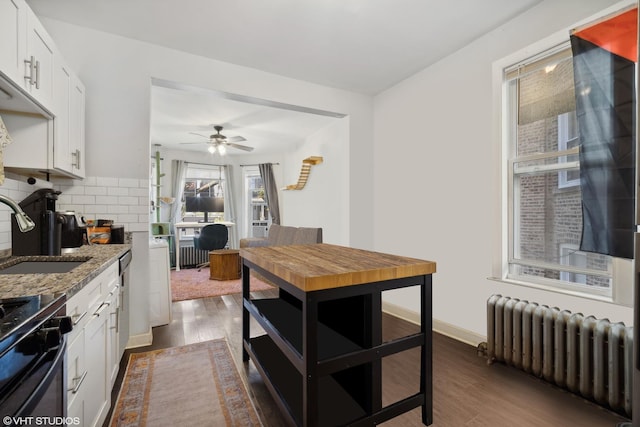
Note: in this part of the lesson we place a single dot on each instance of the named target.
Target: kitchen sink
(46, 267)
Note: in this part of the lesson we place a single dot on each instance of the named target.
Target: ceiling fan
(218, 142)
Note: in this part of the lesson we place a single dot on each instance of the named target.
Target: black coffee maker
(45, 238)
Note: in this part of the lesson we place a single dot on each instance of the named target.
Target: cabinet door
(76, 376)
(62, 90)
(40, 54)
(113, 359)
(96, 400)
(77, 129)
(12, 39)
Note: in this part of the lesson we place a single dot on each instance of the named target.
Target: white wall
(435, 168)
(117, 74)
(320, 203)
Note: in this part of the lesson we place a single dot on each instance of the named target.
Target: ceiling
(361, 46)
(178, 111)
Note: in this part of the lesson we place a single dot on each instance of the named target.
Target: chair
(211, 237)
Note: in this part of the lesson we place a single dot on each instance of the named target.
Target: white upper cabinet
(62, 91)
(39, 62)
(38, 80)
(77, 130)
(13, 42)
(26, 59)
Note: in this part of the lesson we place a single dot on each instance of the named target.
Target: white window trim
(563, 143)
(622, 269)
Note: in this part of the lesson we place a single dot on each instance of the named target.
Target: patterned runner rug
(193, 284)
(192, 385)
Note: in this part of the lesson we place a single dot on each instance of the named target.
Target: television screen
(191, 204)
(211, 204)
(204, 204)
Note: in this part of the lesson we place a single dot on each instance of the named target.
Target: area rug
(192, 385)
(193, 284)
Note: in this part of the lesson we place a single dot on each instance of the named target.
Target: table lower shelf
(335, 406)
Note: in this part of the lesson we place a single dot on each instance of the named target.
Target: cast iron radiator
(190, 256)
(587, 356)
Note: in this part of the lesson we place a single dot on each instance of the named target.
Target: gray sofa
(280, 235)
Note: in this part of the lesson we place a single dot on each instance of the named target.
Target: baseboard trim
(444, 328)
(141, 340)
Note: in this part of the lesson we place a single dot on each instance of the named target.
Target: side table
(224, 264)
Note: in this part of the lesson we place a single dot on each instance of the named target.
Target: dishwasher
(123, 317)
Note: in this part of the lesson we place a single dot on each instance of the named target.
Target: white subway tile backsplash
(126, 218)
(128, 182)
(72, 190)
(109, 200)
(107, 182)
(123, 200)
(128, 200)
(139, 209)
(92, 209)
(138, 226)
(83, 200)
(117, 191)
(95, 191)
(90, 181)
(118, 209)
(139, 192)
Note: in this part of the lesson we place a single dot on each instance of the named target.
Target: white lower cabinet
(96, 400)
(113, 335)
(77, 373)
(93, 348)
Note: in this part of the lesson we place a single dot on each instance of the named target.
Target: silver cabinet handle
(37, 74)
(101, 308)
(76, 156)
(32, 66)
(78, 382)
(77, 318)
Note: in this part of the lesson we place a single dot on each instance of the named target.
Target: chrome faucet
(24, 222)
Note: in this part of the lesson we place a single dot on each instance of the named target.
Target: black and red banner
(604, 57)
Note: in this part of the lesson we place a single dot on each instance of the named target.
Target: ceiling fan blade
(187, 143)
(236, 139)
(240, 147)
(199, 134)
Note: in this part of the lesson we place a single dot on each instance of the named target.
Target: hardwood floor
(467, 392)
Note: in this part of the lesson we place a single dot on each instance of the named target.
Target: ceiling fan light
(222, 150)
(211, 149)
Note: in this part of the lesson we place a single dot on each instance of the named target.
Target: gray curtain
(178, 170)
(271, 191)
(230, 206)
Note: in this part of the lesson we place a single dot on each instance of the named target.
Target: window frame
(187, 178)
(621, 289)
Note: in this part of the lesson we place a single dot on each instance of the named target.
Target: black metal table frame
(311, 368)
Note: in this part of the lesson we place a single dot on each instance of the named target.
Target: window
(568, 139)
(258, 218)
(543, 199)
(206, 183)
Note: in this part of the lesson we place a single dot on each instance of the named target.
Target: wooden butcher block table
(321, 355)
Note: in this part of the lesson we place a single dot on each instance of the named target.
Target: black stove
(32, 347)
(19, 316)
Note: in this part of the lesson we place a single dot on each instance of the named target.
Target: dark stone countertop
(99, 258)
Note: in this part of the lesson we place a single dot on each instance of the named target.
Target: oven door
(39, 390)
